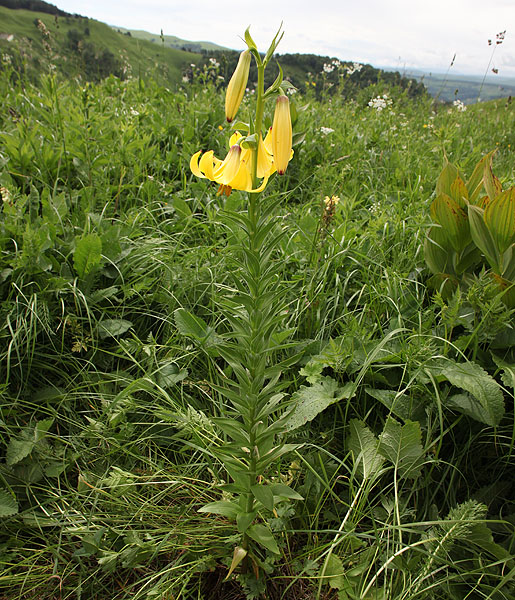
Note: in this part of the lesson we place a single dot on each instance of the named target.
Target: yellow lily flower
(237, 86)
(234, 172)
(282, 134)
(231, 173)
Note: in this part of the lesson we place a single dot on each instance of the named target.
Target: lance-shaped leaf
(483, 238)
(238, 555)
(438, 251)
(492, 185)
(508, 263)
(459, 192)
(263, 535)
(475, 183)
(453, 219)
(225, 508)
(446, 179)
(500, 219)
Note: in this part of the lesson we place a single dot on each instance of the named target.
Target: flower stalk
(255, 415)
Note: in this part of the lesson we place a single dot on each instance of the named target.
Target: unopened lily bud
(237, 86)
(281, 134)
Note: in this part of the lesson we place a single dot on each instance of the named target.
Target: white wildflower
(380, 102)
(326, 130)
(354, 68)
(460, 107)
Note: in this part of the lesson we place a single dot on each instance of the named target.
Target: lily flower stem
(254, 364)
(258, 123)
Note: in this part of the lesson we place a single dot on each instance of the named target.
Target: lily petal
(206, 165)
(194, 166)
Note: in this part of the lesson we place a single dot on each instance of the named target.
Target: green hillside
(171, 41)
(78, 46)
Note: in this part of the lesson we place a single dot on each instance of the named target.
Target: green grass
(106, 407)
(133, 57)
(171, 40)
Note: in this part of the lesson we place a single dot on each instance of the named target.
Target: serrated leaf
(17, 450)
(332, 572)
(262, 535)
(365, 449)
(486, 402)
(169, 374)
(400, 405)
(311, 401)
(191, 326)
(8, 504)
(508, 374)
(88, 254)
(402, 446)
(113, 327)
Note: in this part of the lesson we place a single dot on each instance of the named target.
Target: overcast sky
(405, 34)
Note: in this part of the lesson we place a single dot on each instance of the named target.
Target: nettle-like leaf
(484, 401)
(194, 327)
(311, 401)
(402, 446)
(365, 450)
(508, 371)
(21, 446)
(332, 572)
(8, 504)
(88, 254)
(113, 327)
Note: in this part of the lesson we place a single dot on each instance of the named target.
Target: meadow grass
(107, 406)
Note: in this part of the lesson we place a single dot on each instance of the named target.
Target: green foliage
(469, 225)
(120, 366)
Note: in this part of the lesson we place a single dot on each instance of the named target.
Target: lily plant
(255, 410)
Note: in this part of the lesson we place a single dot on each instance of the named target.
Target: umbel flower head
(237, 86)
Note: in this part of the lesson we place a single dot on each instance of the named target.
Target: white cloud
(411, 32)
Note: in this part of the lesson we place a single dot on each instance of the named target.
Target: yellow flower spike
(237, 86)
(282, 134)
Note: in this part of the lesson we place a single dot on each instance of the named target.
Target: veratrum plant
(254, 415)
(474, 228)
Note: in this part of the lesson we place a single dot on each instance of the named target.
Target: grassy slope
(143, 56)
(171, 41)
(117, 482)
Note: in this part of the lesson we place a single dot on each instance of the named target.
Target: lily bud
(237, 86)
(281, 134)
